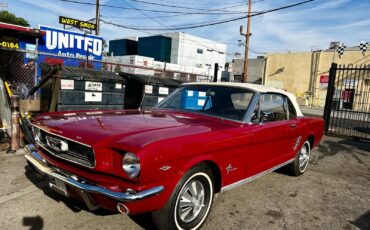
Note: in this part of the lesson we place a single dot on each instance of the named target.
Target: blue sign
(71, 44)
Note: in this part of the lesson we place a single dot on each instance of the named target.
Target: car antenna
(142, 99)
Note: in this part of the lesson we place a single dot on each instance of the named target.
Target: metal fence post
(329, 95)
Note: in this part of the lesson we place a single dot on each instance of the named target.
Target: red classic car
(204, 138)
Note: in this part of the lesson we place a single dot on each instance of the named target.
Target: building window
(200, 51)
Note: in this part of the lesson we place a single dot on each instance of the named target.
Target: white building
(192, 51)
(186, 53)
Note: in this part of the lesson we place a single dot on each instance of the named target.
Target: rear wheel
(300, 163)
(190, 202)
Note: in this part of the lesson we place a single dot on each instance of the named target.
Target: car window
(292, 112)
(274, 107)
(221, 101)
(241, 100)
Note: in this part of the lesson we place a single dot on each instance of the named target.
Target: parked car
(204, 138)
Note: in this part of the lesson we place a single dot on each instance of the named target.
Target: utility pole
(247, 36)
(97, 17)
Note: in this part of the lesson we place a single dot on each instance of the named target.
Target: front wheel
(190, 202)
(300, 163)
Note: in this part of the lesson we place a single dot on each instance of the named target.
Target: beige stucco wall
(292, 71)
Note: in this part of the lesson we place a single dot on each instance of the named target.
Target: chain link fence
(21, 70)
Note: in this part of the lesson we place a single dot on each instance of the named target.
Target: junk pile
(13, 124)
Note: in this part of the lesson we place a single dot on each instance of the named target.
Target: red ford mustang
(203, 139)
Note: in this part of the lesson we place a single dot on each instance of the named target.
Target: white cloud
(329, 4)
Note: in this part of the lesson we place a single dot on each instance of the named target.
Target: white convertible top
(257, 88)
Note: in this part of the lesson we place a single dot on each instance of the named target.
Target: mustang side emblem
(298, 140)
(230, 168)
(57, 144)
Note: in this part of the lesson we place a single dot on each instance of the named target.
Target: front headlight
(131, 165)
(36, 133)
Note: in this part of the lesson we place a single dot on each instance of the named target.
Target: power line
(213, 23)
(160, 23)
(201, 4)
(182, 14)
(207, 3)
(206, 24)
(189, 8)
(208, 12)
(143, 13)
(160, 16)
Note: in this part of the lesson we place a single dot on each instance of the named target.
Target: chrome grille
(77, 153)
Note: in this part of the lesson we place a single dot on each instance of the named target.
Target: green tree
(10, 18)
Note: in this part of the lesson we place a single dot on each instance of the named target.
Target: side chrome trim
(249, 179)
(37, 161)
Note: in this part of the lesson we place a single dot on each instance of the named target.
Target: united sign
(71, 44)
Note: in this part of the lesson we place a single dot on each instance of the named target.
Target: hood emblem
(57, 144)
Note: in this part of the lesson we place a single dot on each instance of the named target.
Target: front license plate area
(58, 186)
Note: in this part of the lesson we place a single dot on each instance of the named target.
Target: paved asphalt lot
(333, 194)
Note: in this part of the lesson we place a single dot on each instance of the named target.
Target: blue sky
(314, 24)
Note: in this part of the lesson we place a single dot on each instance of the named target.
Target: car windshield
(221, 101)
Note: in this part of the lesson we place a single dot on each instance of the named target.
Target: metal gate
(347, 106)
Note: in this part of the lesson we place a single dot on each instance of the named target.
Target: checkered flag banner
(363, 47)
(340, 50)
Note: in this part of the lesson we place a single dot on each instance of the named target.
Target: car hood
(92, 128)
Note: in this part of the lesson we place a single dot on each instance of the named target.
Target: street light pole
(247, 36)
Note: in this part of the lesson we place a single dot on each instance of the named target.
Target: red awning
(22, 29)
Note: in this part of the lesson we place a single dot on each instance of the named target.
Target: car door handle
(293, 125)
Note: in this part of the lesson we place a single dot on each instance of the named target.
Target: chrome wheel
(194, 199)
(304, 157)
(191, 201)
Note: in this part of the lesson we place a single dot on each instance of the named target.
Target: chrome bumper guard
(40, 164)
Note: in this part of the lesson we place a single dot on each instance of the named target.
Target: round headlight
(36, 133)
(131, 165)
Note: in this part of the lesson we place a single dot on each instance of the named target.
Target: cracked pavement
(333, 194)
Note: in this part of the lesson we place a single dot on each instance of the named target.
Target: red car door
(273, 139)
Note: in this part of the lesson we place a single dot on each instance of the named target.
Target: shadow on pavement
(363, 222)
(143, 220)
(328, 148)
(360, 145)
(34, 222)
(73, 204)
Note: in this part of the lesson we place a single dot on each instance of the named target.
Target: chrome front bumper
(40, 164)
